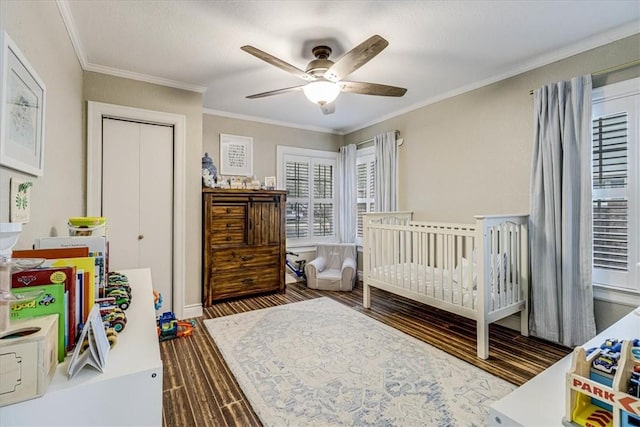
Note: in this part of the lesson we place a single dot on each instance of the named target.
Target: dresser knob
(140, 237)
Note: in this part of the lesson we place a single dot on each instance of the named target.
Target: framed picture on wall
(22, 109)
(236, 155)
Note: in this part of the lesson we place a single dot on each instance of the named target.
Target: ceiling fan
(325, 77)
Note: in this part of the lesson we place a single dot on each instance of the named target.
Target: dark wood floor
(199, 389)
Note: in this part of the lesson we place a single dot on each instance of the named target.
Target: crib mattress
(437, 283)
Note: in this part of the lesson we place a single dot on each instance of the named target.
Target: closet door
(137, 199)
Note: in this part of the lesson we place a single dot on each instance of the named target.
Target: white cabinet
(128, 392)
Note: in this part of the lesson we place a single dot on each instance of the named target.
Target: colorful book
(88, 267)
(75, 252)
(50, 302)
(48, 276)
(98, 249)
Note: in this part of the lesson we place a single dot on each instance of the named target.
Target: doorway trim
(95, 113)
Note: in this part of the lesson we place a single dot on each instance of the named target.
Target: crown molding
(144, 78)
(72, 31)
(268, 121)
(537, 62)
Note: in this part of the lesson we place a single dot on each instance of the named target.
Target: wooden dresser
(243, 243)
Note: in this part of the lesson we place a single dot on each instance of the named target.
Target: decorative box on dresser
(243, 242)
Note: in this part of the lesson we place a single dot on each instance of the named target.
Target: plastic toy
(157, 300)
(169, 327)
(122, 298)
(114, 317)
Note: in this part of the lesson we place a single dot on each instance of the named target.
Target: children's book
(98, 249)
(61, 257)
(51, 301)
(75, 252)
(48, 276)
(93, 345)
(87, 265)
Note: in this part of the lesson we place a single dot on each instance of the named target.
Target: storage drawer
(227, 230)
(244, 282)
(228, 238)
(228, 210)
(249, 257)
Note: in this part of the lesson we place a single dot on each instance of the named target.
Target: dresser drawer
(227, 231)
(244, 282)
(229, 210)
(249, 257)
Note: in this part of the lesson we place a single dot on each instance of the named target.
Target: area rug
(320, 363)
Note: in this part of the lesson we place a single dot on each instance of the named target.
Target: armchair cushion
(334, 267)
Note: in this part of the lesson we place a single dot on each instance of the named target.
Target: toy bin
(87, 226)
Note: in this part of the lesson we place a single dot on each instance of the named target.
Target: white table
(128, 392)
(541, 401)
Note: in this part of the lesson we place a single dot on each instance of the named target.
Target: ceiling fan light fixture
(321, 92)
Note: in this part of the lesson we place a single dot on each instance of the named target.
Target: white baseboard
(192, 310)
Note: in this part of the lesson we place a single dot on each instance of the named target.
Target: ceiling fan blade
(356, 58)
(278, 63)
(329, 108)
(276, 92)
(372, 89)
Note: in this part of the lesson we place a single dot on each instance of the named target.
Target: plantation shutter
(366, 189)
(610, 195)
(297, 211)
(323, 218)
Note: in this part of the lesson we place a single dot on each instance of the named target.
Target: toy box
(598, 385)
(28, 358)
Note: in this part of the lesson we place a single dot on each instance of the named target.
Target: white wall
(265, 139)
(39, 32)
(471, 154)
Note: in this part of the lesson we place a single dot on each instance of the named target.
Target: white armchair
(334, 268)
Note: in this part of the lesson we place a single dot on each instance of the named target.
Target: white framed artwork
(236, 155)
(22, 110)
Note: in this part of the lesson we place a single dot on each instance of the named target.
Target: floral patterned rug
(320, 363)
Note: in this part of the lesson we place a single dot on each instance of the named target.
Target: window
(616, 188)
(309, 178)
(365, 169)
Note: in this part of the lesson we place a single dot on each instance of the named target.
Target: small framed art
(236, 155)
(22, 110)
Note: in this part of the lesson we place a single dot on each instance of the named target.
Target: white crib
(479, 271)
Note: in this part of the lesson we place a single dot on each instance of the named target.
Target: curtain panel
(348, 200)
(386, 178)
(561, 214)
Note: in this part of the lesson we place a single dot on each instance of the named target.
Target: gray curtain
(386, 180)
(561, 218)
(347, 183)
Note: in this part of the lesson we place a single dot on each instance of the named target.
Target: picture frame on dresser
(22, 111)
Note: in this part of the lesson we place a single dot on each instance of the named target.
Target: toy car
(122, 299)
(114, 318)
(169, 327)
(606, 362)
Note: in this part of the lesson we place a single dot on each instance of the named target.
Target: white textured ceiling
(436, 48)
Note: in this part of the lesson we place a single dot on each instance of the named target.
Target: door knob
(140, 237)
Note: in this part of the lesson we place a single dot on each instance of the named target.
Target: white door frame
(95, 112)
